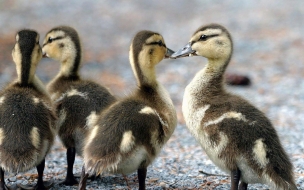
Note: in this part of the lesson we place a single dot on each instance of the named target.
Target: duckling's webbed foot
(235, 178)
(2, 182)
(70, 180)
(243, 186)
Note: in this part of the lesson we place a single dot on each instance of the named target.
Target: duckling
(130, 133)
(78, 101)
(27, 121)
(236, 136)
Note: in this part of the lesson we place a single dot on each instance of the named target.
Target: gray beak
(183, 52)
(169, 53)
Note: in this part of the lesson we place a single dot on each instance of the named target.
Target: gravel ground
(269, 44)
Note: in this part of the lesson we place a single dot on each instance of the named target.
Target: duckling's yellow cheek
(159, 54)
(197, 49)
(205, 50)
(51, 51)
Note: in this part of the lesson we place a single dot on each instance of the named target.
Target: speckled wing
(121, 130)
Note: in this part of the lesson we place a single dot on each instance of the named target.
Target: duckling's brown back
(82, 99)
(25, 133)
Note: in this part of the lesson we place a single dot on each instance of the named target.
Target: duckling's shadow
(108, 180)
(111, 180)
(16, 186)
(47, 185)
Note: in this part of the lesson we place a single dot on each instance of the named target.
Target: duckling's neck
(25, 72)
(70, 67)
(144, 73)
(27, 77)
(39, 85)
(148, 78)
(209, 81)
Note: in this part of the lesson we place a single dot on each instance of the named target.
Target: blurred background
(268, 47)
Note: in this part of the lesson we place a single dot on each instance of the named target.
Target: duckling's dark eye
(203, 37)
(50, 40)
(160, 43)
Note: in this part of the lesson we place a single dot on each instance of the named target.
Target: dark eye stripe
(53, 39)
(157, 43)
(205, 37)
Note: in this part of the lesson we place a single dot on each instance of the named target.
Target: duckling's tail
(287, 186)
(96, 167)
(282, 181)
(293, 187)
(16, 164)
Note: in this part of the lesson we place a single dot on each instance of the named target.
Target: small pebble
(12, 179)
(25, 182)
(163, 184)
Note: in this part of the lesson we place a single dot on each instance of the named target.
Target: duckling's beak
(169, 53)
(184, 52)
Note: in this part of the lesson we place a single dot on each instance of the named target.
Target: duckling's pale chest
(192, 107)
(194, 112)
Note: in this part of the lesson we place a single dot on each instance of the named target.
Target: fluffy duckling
(26, 118)
(77, 101)
(132, 131)
(236, 136)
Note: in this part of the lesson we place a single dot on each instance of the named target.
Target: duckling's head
(26, 54)
(212, 41)
(147, 50)
(62, 44)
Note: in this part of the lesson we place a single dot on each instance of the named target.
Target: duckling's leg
(3, 186)
(126, 179)
(2, 182)
(40, 184)
(235, 178)
(83, 179)
(70, 178)
(142, 174)
(243, 186)
(40, 170)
